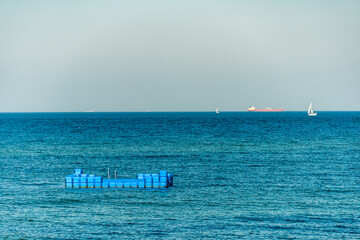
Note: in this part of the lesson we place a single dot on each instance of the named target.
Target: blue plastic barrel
(98, 182)
(148, 182)
(156, 178)
(141, 183)
(78, 171)
(163, 173)
(112, 184)
(91, 181)
(77, 182)
(69, 181)
(83, 182)
(164, 179)
(134, 184)
(140, 176)
(105, 183)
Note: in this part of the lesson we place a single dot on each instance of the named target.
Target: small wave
(255, 165)
(37, 183)
(162, 156)
(295, 220)
(250, 219)
(67, 200)
(220, 178)
(340, 226)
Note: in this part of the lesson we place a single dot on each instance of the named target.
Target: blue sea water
(237, 175)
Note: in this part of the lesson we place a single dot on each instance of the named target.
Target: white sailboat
(217, 110)
(311, 111)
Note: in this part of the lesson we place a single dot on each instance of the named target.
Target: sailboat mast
(311, 111)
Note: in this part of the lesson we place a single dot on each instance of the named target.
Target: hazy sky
(113, 55)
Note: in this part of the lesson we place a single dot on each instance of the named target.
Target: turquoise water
(236, 175)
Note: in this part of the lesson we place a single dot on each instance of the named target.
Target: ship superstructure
(268, 109)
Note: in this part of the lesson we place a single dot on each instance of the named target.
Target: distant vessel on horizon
(217, 110)
(311, 111)
(268, 109)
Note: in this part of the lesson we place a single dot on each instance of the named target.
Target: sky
(158, 55)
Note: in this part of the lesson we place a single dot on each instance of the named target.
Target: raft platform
(81, 180)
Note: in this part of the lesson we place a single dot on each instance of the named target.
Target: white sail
(311, 111)
(217, 110)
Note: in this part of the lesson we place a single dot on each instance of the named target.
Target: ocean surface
(237, 175)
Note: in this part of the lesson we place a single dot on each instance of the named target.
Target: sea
(237, 175)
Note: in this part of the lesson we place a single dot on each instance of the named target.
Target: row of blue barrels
(80, 180)
(83, 181)
(162, 179)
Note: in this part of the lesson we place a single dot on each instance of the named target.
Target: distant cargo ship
(268, 109)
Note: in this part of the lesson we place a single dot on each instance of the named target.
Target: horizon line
(195, 111)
